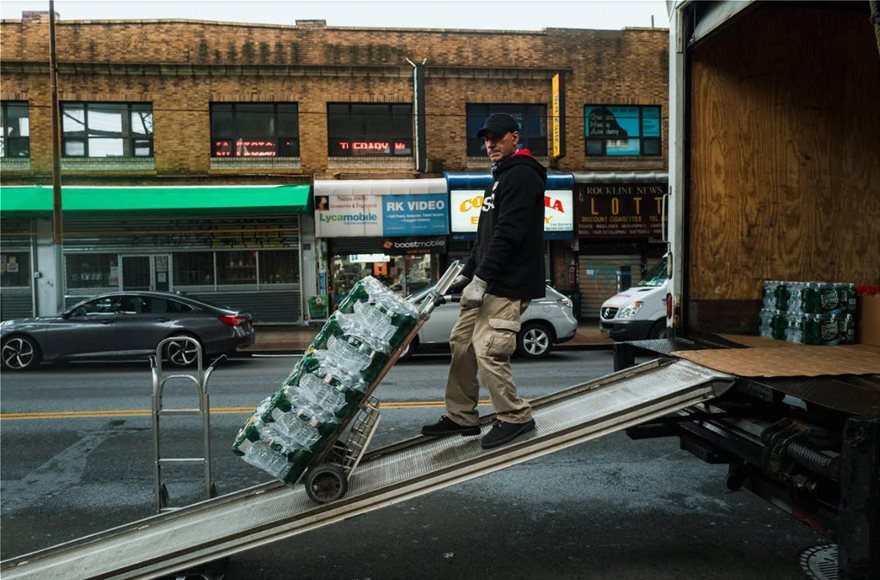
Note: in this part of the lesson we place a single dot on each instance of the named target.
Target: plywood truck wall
(784, 178)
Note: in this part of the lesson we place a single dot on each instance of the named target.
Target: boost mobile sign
(465, 207)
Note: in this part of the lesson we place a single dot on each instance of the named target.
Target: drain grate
(820, 562)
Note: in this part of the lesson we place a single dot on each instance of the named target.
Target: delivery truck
(774, 147)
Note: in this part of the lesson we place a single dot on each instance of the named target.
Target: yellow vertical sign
(558, 112)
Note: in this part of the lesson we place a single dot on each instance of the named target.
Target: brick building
(190, 150)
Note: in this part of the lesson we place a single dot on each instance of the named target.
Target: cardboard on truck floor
(788, 360)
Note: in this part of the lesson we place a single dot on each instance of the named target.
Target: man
(503, 273)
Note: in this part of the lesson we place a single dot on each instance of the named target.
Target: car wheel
(534, 340)
(181, 352)
(409, 349)
(20, 353)
(659, 330)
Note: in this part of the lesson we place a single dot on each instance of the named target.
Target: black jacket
(509, 251)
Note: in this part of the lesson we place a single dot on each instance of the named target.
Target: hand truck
(200, 381)
(327, 478)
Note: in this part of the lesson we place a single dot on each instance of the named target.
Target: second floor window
(15, 140)
(107, 129)
(622, 130)
(532, 121)
(369, 129)
(254, 130)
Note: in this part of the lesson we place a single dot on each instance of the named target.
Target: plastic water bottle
(849, 328)
(795, 332)
(261, 455)
(317, 399)
(349, 354)
(295, 433)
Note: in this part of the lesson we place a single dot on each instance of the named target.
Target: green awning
(182, 199)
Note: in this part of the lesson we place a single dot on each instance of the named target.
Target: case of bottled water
(324, 389)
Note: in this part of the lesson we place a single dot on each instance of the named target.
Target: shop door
(146, 272)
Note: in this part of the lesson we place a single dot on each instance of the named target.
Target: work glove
(472, 296)
(458, 284)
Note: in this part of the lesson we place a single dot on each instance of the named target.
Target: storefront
(237, 245)
(620, 220)
(16, 254)
(466, 199)
(393, 230)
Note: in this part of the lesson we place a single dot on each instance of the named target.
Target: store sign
(620, 210)
(414, 246)
(412, 215)
(349, 215)
(557, 133)
(465, 207)
(374, 147)
(245, 148)
(381, 207)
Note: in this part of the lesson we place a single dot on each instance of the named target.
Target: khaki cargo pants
(483, 339)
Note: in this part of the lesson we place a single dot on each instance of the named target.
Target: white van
(640, 312)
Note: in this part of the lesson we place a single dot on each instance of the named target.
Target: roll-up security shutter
(597, 278)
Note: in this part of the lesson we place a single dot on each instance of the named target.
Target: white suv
(547, 321)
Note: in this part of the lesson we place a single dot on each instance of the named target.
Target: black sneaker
(502, 432)
(446, 426)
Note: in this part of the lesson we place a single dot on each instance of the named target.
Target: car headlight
(630, 310)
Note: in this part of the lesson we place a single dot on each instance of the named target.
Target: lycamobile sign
(369, 218)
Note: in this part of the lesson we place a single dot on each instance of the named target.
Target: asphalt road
(75, 454)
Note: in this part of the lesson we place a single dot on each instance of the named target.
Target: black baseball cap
(498, 123)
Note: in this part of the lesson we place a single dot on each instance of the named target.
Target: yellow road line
(214, 411)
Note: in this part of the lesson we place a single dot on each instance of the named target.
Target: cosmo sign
(465, 207)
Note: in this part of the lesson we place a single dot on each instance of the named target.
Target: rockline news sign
(619, 210)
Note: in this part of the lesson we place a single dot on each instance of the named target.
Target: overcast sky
(485, 14)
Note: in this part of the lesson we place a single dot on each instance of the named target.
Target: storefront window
(107, 129)
(92, 270)
(369, 130)
(279, 267)
(254, 130)
(403, 274)
(15, 137)
(194, 269)
(622, 130)
(532, 121)
(15, 269)
(237, 267)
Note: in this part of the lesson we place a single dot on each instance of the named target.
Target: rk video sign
(619, 210)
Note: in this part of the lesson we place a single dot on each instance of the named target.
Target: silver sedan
(547, 321)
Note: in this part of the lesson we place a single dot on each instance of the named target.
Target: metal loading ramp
(236, 522)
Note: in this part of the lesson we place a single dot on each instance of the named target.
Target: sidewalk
(294, 339)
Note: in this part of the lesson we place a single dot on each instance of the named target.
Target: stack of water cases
(809, 312)
(325, 388)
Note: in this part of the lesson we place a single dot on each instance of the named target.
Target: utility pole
(57, 219)
(55, 287)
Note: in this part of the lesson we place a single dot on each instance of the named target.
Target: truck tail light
(669, 306)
